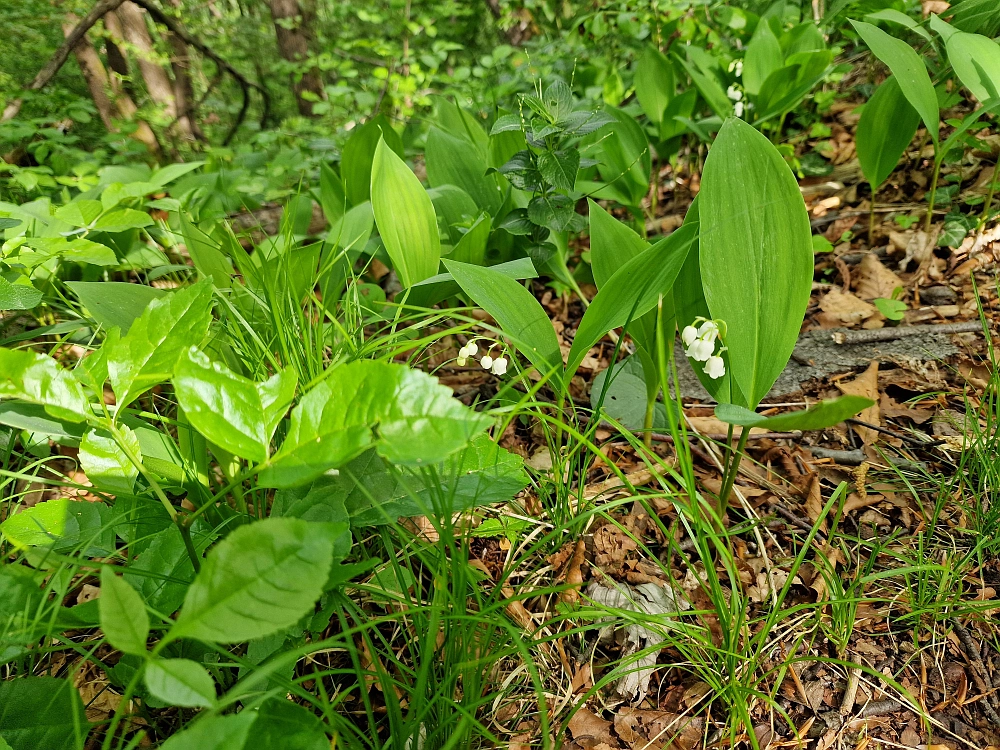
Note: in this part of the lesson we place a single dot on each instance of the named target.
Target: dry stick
(857, 457)
(980, 674)
(899, 332)
(48, 72)
(920, 442)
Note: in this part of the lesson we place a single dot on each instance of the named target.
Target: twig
(857, 457)
(851, 691)
(899, 332)
(880, 708)
(919, 442)
(979, 672)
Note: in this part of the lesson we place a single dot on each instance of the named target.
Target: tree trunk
(97, 81)
(292, 24)
(158, 83)
(180, 64)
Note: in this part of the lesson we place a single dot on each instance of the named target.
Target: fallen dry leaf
(866, 385)
(875, 280)
(585, 724)
(843, 309)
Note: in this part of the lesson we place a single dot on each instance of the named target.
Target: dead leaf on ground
(865, 385)
(658, 730)
(716, 427)
(586, 725)
(875, 280)
(843, 309)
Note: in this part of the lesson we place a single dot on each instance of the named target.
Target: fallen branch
(899, 332)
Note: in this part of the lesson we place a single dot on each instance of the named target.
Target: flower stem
(933, 196)
(732, 469)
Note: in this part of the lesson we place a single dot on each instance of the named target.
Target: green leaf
(892, 15)
(42, 713)
(163, 571)
(787, 87)
(123, 614)
(515, 309)
(63, 525)
(114, 303)
(146, 355)
(123, 219)
(258, 580)
(39, 379)
(213, 732)
(976, 60)
(230, 410)
(472, 247)
(77, 250)
(283, 725)
(626, 161)
(755, 254)
(633, 290)
(105, 463)
(654, 83)
(888, 124)
(892, 309)
(405, 218)
(450, 161)
(359, 153)
(20, 295)
(559, 168)
(822, 415)
(909, 70)
(332, 197)
(702, 67)
(406, 414)
(180, 682)
(79, 213)
(612, 244)
(763, 57)
(206, 254)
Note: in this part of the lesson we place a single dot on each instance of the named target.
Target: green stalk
(933, 196)
(732, 469)
(647, 424)
(871, 219)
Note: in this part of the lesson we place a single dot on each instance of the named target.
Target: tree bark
(292, 27)
(180, 64)
(158, 83)
(99, 84)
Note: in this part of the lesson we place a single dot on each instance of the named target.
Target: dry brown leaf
(658, 730)
(865, 385)
(585, 724)
(933, 6)
(716, 427)
(843, 309)
(855, 501)
(814, 502)
(875, 280)
(574, 575)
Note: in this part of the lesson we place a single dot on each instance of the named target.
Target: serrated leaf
(407, 415)
(559, 168)
(104, 462)
(258, 580)
(214, 732)
(180, 682)
(19, 295)
(163, 571)
(123, 614)
(39, 713)
(62, 525)
(822, 415)
(79, 213)
(505, 124)
(39, 379)
(146, 355)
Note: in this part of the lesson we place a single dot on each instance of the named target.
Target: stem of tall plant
(647, 424)
(731, 470)
(933, 194)
(871, 219)
(989, 197)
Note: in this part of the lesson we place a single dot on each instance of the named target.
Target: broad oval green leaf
(180, 682)
(106, 463)
(214, 732)
(888, 124)
(909, 70)
(62, 525)
(359, 152)
(655, 83)
(612, 244)
(123, 615)
(114, 303)
(258, 580)
(39, 379)
(763, 57)
(405, 218)
(515, 309)
(755, 254)
(822, 415)
(976, 60)
(450, 161)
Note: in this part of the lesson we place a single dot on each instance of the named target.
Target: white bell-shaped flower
(688, 335)
(715, 368)
(700, 350)
(708, 331)
(461, 361)
(499, 366)
(486, 362)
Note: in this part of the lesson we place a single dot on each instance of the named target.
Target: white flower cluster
(736, 95)
(497, 366)
(699, 345)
